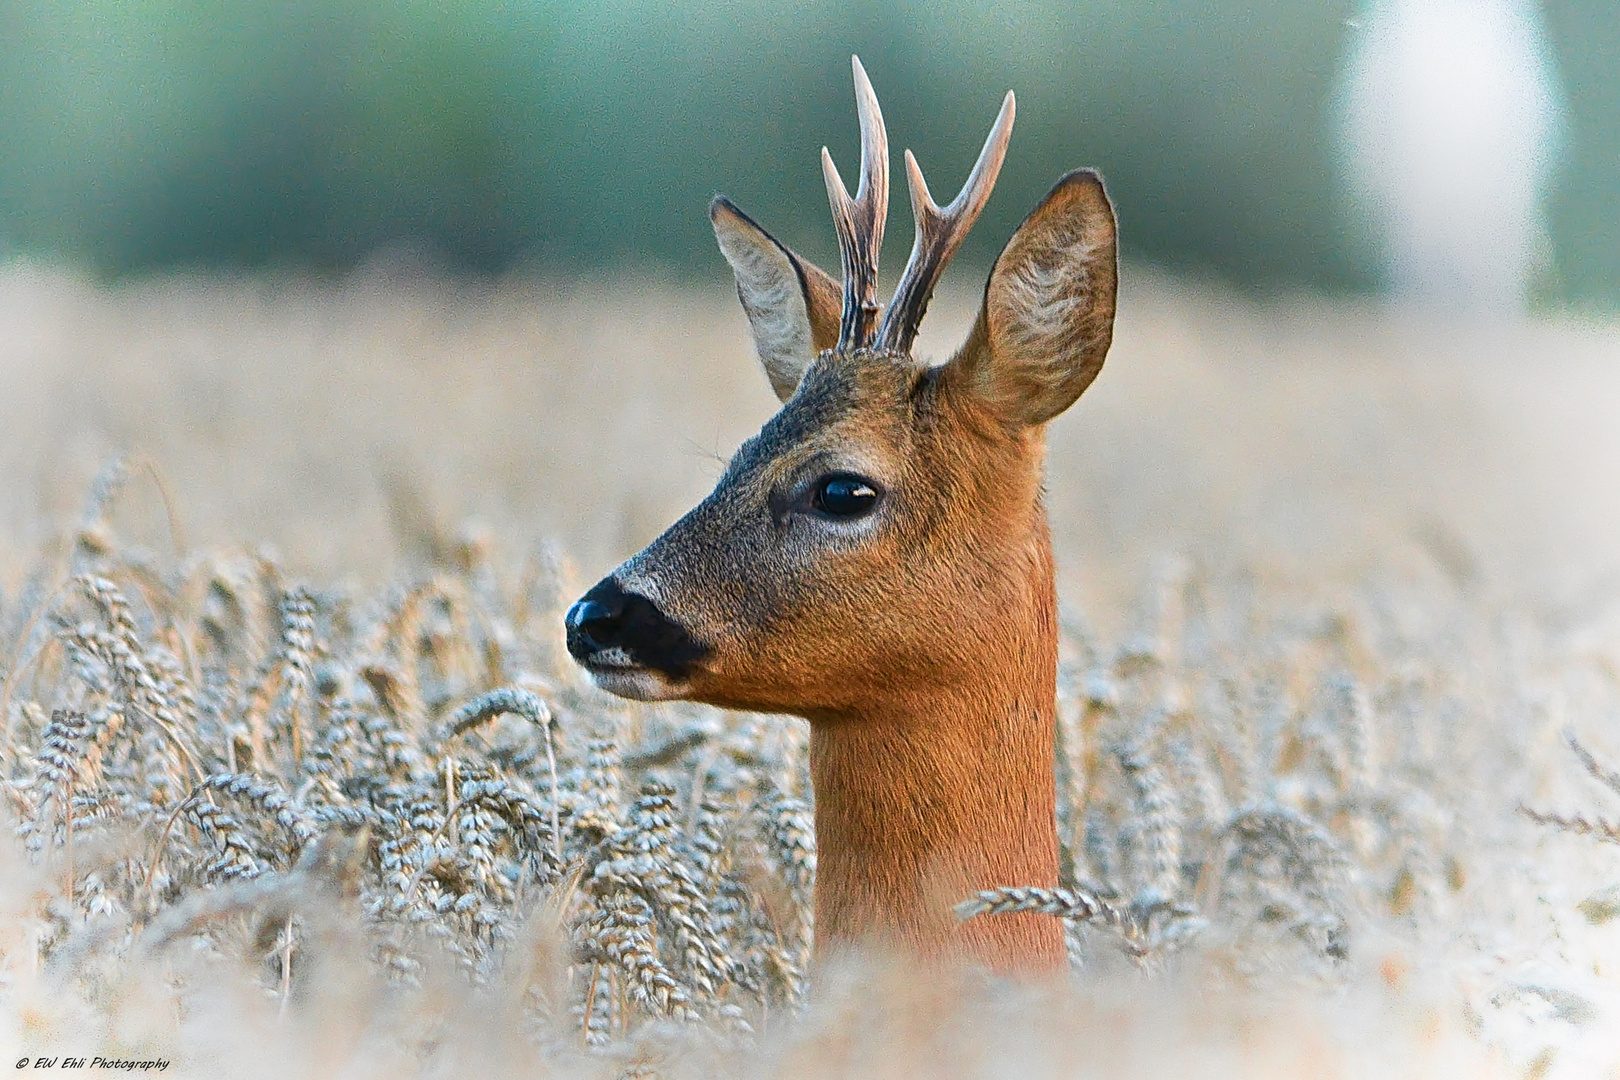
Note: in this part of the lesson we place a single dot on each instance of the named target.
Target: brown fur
(920, 640)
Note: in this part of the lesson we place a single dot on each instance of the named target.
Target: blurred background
(378, 287)
(350, 276)
(1414, 145)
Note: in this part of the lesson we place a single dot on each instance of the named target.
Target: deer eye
(844, 495)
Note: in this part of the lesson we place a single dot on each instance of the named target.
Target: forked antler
(859, 221)
(940, 232)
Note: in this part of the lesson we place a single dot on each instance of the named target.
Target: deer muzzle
(627, 644)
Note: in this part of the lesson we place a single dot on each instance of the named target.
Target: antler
(940, 232)
(859, 221)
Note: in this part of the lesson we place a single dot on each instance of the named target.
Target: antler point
(921, 200)
(940, 231)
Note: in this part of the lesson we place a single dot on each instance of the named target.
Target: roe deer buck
(877, 559)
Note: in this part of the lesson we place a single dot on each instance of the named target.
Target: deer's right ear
(1048, 313)
(793, 307)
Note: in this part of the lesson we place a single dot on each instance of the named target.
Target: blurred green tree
(491, 133)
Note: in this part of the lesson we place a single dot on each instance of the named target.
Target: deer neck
(925, 797)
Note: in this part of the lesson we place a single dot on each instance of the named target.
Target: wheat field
(299, 781)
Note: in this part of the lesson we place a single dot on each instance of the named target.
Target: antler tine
(859, 221)
(940, 232)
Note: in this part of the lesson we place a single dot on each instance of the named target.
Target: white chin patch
(635, 683)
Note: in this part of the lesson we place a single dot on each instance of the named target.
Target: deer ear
(793, 307)
(1048, 312)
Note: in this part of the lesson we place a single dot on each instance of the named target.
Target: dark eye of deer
(844, 496)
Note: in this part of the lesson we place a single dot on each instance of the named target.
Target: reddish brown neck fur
(923, 800)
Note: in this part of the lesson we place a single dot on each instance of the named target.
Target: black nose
(593, 625)
(608, 617)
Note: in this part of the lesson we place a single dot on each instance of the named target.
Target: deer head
(876, 559)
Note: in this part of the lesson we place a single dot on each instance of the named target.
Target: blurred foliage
(1584, 219)
(157, 133)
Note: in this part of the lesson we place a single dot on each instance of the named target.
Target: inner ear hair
(1048, 313)
(793, 306)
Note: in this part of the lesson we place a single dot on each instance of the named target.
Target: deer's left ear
(793, 306)
(1048, 312)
